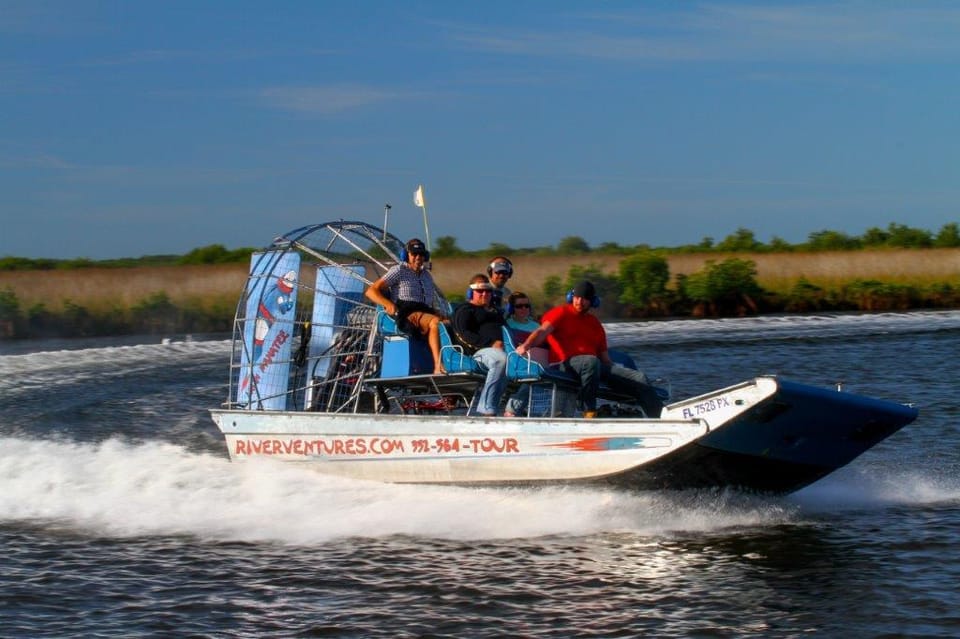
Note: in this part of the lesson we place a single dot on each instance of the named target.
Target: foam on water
(124, 488)
(120, 489)
(855, 489)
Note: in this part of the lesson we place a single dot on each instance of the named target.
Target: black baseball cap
(585, 289)
(416, 247)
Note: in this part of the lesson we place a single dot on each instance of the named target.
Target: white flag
(418, 197)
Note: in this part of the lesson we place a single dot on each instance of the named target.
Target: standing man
(578, 341)
(407, 292)
(478, 327)
(500, 270)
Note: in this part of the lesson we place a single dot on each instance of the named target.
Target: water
(120, 514)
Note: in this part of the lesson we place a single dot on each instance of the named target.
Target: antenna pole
(386, 212)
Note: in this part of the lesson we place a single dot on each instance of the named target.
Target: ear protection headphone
(594, 301)
(478, 286)
(510, 309)
(503, 262)
(404, 256)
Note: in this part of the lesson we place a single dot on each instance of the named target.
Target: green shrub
(10, 263)
(727, 288)
(553, 291)
(446, 246)
(9, 306)
(899, 236)
(872, 295)
(41, 322)
(942, 295)
(741, 241)
(76, 320)
(215, 254)
(643, 281)
(9, 313)
(805, 297)
(948, 236)
(572, 245)
(156, 314)
(831, 241)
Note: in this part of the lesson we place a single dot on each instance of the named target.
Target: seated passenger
(478, 327)
(407, 292)
(578, 341)
(521, 323)
(520, 320)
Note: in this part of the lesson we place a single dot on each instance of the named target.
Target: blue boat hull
(798, 436)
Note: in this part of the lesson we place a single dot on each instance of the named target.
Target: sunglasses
(483, 291)
(521, 306)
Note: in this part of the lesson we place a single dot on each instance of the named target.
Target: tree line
(740, 241)
(211, 254)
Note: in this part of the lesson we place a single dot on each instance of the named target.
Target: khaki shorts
(422, 320)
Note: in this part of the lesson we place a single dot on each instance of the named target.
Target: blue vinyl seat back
(453, 357)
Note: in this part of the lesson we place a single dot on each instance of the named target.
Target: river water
(121, 516)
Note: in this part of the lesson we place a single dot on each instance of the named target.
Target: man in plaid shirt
(407, 293)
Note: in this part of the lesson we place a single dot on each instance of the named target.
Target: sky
(144, 128)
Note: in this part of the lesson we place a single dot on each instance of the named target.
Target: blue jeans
(519, 401)
(494, 360)
(620, 378)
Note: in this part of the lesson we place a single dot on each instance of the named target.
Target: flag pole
(421, 201)
(386, 212)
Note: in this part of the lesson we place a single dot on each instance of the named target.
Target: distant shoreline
(202, 298)
(202, 284)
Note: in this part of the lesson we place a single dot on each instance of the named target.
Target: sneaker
(589, 414)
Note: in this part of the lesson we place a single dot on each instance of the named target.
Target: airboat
(319, 376)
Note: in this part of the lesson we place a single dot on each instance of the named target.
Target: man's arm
(535, 338)
(374, 293)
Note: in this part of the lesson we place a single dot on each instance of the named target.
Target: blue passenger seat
(453, 357)
(403, 354)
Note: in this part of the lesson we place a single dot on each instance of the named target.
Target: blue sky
(135, 128)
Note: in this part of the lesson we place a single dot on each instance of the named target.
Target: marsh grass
(781, 271)
(778, 273)
(103, 289)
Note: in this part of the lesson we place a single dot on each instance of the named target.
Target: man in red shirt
(578, 343)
